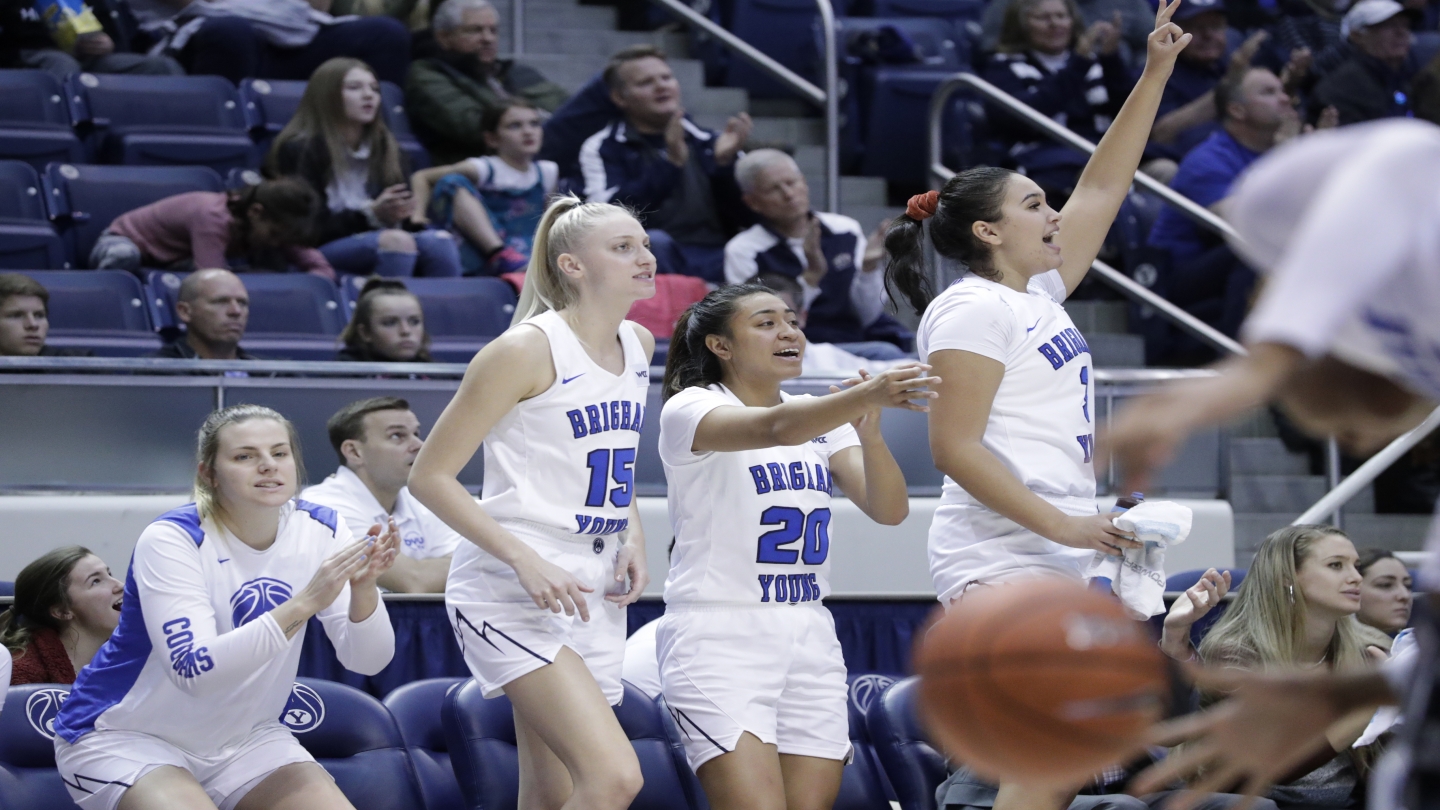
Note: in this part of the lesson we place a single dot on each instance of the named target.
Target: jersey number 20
(607, 464)
(794, 525)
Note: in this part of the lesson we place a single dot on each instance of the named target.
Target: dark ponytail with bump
(974, 195)
(690, 362)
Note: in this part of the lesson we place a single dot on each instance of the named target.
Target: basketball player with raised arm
(537, 597)
(180, 709)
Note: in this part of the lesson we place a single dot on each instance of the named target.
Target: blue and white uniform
(423, 535)
(560, 476)
(745, 643)
(198, 671)
(1041, 428)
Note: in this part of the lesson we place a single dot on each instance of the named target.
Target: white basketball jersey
(752, 527)
(1041, 423)
(565, 459)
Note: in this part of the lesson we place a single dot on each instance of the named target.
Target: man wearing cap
(1187, 110)
(1374, 82)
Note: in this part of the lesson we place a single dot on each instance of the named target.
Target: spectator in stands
(448, 94)
(377, 440)
(843, 282)
(679, 176)
(270, 39)
(87, 42)
(66, 606)
(214, 307)
(1385, 591)
(388, 326)
(1374, 80)
(1296, 608)
(25, 319)
(1075, 77)
(587, 112)
(260, 227)
(1187, 110)
(339, 144)
(494, 202)
(1136, 20)
(1205, 277)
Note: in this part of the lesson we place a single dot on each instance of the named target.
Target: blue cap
(1190, 9)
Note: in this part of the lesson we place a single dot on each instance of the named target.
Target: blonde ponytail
(566, 222)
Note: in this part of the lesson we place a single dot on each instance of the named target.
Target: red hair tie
(922, 206)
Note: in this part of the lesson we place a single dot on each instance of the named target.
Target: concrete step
(557, 15)
(853, 190)
(868, 216)
(573, 72)
(1096, 317)
(1394, 532)
(1288, 493)
(774, 131)
(1114, 350)
(1254, 424)
(716, 101)
(589, 42)
(1265, 456)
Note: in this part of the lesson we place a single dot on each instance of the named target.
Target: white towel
(1138, 578)
(1388, 717)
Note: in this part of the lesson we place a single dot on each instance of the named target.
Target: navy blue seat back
(27, 748)
(1186, 580)
(863, 785)
(20, 193)
(781, 30)
(162, 120)
(454, 307)
(270, 103)
(913, 765)
(958, 12)
(481, 735)
(7, 588)
(353, 737)
(416, 707)
(95, 301)
(280, 303)
(392, 105)
(898, 117)
(35, 120)
(26, 239)
(84, 200)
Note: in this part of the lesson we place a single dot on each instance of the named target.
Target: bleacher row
(438, 744)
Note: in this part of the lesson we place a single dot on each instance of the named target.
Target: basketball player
(537, 596)
(180, 708)
(1347, 226)
(749, 662)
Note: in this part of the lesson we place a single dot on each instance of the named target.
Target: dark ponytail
(974, 195)
(41, 586)
(690, 362)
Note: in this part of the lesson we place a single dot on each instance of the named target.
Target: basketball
(1041, 679)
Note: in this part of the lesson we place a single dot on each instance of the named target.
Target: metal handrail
(827, 99)
(1188, 207)
(1366, 473)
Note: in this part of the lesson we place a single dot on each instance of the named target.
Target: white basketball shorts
(775, 672)
(971, 544)
(103, 764)
(505, 635)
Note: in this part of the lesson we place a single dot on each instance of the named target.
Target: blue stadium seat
(454, 307)
(7, 588)
(416, 708)
(1187, 579)
(781, 30)
(898, 118)
(84, 200)
(354, 737)
(270, 103)
(481, 735)
(913, 765)
(95, 301)
(290, 304)
(162, 120)
(26, 238)
(35, 120)
(392, 105)
(863, 785)
(28, 778)
(961, 13)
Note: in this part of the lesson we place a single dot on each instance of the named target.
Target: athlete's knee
(615, 785)
(396, 241)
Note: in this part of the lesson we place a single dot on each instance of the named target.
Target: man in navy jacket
(679, 176)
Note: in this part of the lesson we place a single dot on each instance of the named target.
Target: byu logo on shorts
(256, 598)
(865, 688)
(41, 708)
(598, 545)
(304, 711)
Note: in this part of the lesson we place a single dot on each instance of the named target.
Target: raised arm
(1086, 218)
(869, 474)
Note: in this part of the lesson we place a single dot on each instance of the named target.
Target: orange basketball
(1041, 679)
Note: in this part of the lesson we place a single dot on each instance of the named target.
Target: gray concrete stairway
(1104, 325)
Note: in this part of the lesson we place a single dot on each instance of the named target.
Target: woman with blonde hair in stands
(66, 606)
(538, 595)
(338, 142)
(1296, 609)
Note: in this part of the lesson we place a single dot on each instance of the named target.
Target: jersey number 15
(604, 465)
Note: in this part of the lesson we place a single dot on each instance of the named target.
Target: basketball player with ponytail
(180, 708)
(1013, 427)
(749, 662)
(537, 597)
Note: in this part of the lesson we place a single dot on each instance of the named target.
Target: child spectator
(339, 144)
(1385, 593)
(25, 319)
(259, 227)
(66, 606)
(494, 202)
(388, 326)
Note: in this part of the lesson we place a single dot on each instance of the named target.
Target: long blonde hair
(321, 114)
(566, 221)
(206, 499)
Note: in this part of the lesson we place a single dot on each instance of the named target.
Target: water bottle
(1125, 503)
